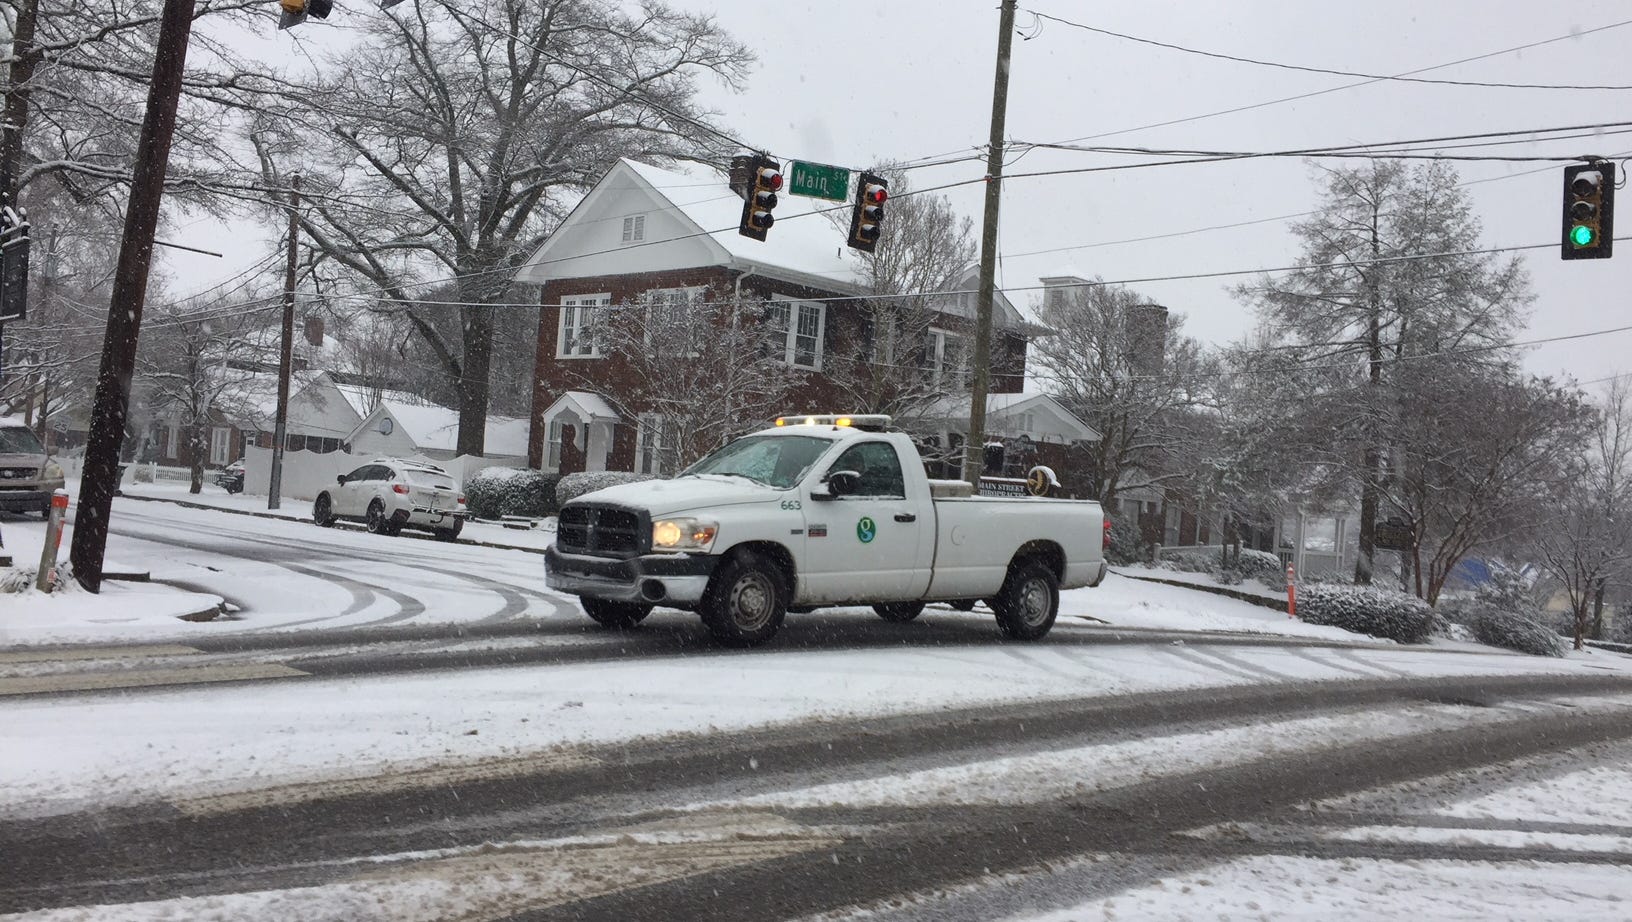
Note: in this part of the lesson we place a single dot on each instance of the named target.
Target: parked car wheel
(375, 520)
(899, 612)
(323, 510)
(619, 615)
(1029, 601)
(745, 602)
(448, 534)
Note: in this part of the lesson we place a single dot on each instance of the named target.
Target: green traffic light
(1582, 235)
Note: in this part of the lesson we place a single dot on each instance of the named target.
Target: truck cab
(820, 511)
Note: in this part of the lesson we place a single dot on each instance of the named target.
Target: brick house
(653, 236)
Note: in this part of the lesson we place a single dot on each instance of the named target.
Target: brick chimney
(1147, 337)
(314, 331)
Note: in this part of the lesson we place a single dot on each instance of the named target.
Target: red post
(47, 576)
(1291, 592)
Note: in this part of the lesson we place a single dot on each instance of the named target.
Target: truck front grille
(599, 531)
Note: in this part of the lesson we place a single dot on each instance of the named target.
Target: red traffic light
(876, 194)
(770, 179)
(757, 178)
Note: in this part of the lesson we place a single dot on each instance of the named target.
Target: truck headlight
(683, 534)
(52, 471)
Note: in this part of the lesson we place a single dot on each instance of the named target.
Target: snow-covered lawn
(1125, 602)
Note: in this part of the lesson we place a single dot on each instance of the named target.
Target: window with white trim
(672, 326)
(795, 331)
(634, 228)
(946, 358)
(578, 335)
(220, 444)
(552, 445)
(650, 451)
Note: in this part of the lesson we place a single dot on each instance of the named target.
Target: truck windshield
(776, 460)
(19, 440)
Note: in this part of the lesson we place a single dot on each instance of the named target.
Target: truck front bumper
(31, 499)
(656, 579)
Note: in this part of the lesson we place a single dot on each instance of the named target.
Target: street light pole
(286, 356)
(112, 403)
(974, 449)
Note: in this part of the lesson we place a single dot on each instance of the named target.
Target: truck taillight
(1106, 544)
(399, 488)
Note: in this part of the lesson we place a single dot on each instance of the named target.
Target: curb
(187, 504)
(1259, 600)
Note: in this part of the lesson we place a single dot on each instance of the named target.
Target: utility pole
(974, 449)
(18, 80)
(286, 358)
(108, 412)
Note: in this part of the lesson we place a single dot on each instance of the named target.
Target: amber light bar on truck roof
(872, 422)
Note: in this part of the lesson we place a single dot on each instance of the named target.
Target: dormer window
(634, 228)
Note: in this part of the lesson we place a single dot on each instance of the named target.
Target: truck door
(864, 546)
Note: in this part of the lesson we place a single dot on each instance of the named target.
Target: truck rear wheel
(745, 602)
(1029, 601)
(899, 612)
(620, 615)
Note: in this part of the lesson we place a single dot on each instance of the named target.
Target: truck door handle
(905, 517)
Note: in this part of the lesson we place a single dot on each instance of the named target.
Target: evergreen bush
(496, 492)
(1366, 610)
(573, 486)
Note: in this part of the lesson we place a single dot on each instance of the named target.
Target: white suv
(390, 494)
(27, 476)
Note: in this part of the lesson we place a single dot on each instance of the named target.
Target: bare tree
(456, 134)
(913, 274)
(187, 365)
(701, 368)
(1359, 307)
(1588, 539)
(1125, 366)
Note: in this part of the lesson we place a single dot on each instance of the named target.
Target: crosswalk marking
(141, 678)
(66, 654)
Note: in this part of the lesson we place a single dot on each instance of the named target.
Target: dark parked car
(231, 477)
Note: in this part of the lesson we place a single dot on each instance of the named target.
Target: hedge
(1366, 610)
(496, 492)
(573, 486)
(1259, 565)
(1514, 631)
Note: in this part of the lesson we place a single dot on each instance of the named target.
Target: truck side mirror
(843, 483)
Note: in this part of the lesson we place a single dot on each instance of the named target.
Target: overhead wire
(1369, 78)
(1348, 86)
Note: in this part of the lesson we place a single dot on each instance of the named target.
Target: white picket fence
(306, 473)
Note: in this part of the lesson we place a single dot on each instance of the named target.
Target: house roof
(433, 427)
(586, 405)
(1009, 406)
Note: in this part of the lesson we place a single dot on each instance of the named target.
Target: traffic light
(759, 198)
(867, 221)
(1589, 211)
(13, 262)
(294, 12)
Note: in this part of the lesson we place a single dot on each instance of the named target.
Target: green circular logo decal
(866, 530)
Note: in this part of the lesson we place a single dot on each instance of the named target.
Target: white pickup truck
(820, 511)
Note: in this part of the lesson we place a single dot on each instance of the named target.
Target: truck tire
(619, 615)
(899, 612)
(745, 602)
(1029, 601)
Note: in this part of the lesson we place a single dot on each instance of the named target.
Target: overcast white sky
(853, 82)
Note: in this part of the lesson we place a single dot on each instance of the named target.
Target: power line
(1347, 86)
(1369, 78)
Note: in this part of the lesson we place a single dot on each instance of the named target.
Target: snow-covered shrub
(16, 579)
(1262, 566)
(1127, 545)
(573, 486)
(1366, 610)
(1514, 631)
(1192, 559)
(500, 491)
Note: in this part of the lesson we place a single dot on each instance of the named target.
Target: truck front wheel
(746, 601)
(899, 612)
(620, 615)
(1029, 601)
